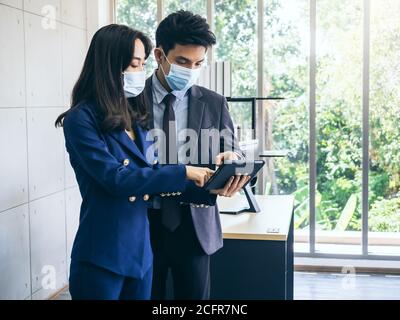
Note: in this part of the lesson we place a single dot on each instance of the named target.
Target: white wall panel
(43, 63)
(45, 152)
(43, 7)
(73, 12)
(14, 254)
(43, 44)
(74, 51)
(48, 240)
(12, 67)
(13, 168)
(12, 3)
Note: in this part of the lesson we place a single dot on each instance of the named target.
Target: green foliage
(347, 213)
(339, 111)
(196, 6)
(236, 32)
(139, 14)
(384, 215)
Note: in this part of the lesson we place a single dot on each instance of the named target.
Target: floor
(330, 286)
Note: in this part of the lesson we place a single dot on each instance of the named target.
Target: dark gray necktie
(169, 127)
(171, 213)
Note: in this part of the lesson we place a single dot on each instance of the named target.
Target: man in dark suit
(184, 233)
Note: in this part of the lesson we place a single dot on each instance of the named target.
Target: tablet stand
(251, 199)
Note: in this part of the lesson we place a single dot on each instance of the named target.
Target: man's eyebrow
(137, 58)
(187, 59)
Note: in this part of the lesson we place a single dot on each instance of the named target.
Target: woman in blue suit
(105, 133)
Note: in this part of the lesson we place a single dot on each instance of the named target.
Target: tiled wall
(40, 58)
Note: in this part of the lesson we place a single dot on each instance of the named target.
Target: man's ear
(158, 55)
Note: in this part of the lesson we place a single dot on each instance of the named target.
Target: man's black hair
(184, 28)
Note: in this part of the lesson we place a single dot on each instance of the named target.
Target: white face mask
(134, 83)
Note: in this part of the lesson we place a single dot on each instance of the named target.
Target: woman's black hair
(184, 27)
(101, 80)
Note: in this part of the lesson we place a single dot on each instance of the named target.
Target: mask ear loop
(162, 69)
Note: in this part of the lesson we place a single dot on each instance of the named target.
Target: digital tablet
(233, 168)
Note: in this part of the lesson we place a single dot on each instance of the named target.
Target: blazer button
(146, 197)
(132, 199)
(126, 162)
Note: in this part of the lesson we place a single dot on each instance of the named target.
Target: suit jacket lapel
(142, 135)
(123, 139)
(195, 117)
(196, 110)
(148, 91)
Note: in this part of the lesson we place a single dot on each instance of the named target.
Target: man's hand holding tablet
(235, 183)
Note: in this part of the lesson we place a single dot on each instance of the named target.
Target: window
(140, 15)
(384, 120)
(236, 31)
(339, 125)
(286, 34)
(195, 6)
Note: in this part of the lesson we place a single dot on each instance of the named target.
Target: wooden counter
(272, 223)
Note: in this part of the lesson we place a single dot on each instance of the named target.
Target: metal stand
(251, 199)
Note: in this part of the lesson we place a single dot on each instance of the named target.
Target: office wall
(40, 58)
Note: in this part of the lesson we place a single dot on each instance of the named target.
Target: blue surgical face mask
(180, 78)
(134, 83)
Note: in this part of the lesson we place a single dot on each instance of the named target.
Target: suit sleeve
(196, 195)
(85, 144)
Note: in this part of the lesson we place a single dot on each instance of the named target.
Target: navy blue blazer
(117, 183)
